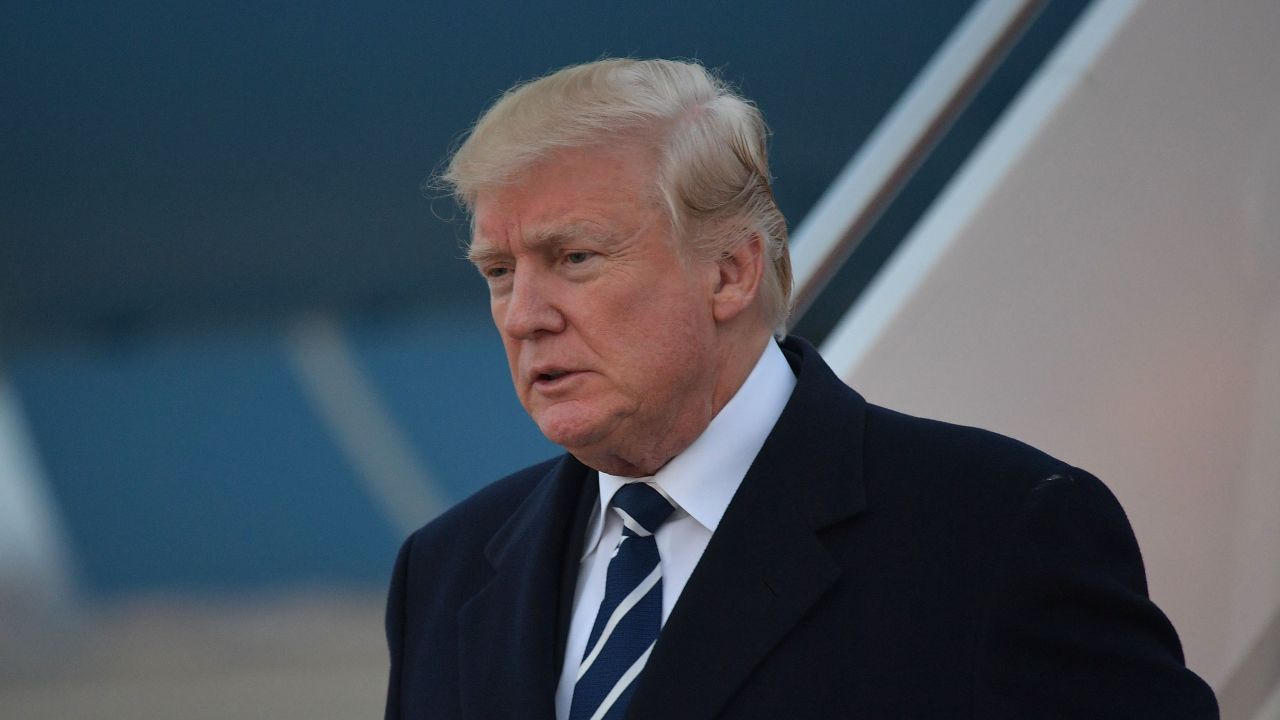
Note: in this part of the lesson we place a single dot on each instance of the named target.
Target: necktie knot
(642, 508)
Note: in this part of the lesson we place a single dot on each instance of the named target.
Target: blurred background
(241, 357)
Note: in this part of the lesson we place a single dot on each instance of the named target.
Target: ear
(738, 281)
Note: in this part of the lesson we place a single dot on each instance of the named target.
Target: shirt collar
(702, 480)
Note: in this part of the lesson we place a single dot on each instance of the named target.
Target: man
(733, 532)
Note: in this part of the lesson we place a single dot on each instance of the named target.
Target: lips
(550, 378)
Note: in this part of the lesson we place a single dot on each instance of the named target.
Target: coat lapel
(509, 630)
(765, 566)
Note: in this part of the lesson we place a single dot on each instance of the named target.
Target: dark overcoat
(871, 565)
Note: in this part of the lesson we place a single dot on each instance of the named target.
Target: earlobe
(738, 281)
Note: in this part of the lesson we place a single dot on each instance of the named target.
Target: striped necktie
(630, 614)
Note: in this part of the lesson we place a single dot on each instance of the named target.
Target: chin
(575, 432)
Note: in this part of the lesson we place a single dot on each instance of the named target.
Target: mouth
(553, 378)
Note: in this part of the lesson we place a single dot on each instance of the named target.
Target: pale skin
(622, 345)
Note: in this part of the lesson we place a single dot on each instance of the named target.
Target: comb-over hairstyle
(713, 167)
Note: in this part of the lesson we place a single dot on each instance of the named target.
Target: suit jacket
(871, 565)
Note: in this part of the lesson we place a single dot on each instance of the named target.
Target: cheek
(664, 340)
(512, 350)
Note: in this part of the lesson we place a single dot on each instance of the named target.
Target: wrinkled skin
(621, 346)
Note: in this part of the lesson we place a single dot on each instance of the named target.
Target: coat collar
(765, 566)
(510, 631)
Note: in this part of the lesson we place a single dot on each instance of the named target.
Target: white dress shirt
(699, 482)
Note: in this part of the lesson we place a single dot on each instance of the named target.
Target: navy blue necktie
(630, 614)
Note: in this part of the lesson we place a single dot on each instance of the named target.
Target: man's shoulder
(964, 448)
(992, 505)
(919, 466)
(970, 467)
(896, 444)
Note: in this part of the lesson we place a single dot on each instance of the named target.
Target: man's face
(607, 324)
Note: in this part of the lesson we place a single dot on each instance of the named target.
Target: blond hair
(713, 167)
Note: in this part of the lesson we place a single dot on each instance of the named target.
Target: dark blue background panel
(447, 386)
(176, 159)
(195, 462)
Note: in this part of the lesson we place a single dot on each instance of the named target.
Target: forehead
(573, 192)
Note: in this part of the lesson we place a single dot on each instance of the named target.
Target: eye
(577, 257)
(495, 272)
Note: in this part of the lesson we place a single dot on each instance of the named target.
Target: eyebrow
(542, 240)
(481, 255)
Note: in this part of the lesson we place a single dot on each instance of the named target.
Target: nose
(529, 308)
